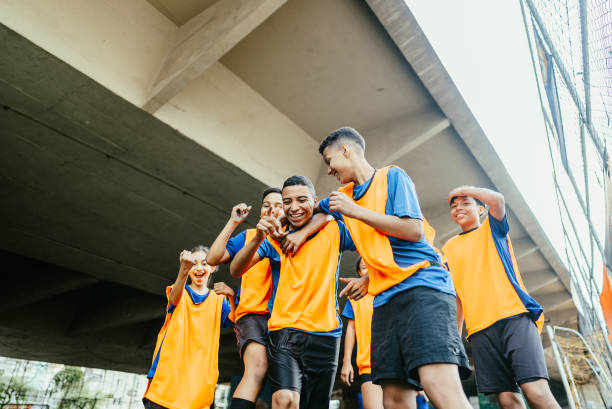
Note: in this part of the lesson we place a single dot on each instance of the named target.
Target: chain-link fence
(571, 48)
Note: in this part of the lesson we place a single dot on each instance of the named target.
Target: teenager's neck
(199, 289)
(363, 172)
(469, 227)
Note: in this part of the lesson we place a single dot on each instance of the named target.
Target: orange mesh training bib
(363, 309)
(255, 286)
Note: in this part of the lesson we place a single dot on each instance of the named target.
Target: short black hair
(268, 191)
(478, 201)
(358, 264)
(200, 247)
(341, 134)
(298, 180)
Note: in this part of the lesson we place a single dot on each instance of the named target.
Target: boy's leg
(431, 348)
(398, 395)
(526, 355)
(443, 387)
(251, 331)
(539, 395)
(372, 395)
(284, 367)
(320, 362)
(510, 400)
(151, 405)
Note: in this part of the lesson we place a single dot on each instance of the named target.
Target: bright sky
(483, 46)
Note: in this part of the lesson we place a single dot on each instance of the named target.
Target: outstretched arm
(218, 253)
(347, 373)
(401, 227)
(493, 199)
(187, 261)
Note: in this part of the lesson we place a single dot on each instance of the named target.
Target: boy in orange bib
(305, 328)
(184, 370)
(501, 318)
(359, 327)
(414, 341)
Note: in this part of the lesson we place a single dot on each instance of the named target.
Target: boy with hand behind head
(502, 320)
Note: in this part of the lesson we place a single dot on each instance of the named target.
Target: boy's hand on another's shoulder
(292, 242)
(240, 212)
(340, 202)
(187, 260)
(223, 289)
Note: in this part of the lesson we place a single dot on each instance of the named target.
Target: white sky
(483, 46)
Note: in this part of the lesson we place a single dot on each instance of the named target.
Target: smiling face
(298, 204)
(337, 158)
(466, 212)
(200, 271)
(272, 201)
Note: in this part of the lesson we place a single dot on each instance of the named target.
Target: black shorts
(363, 378)
(305, 363)
(151, 405)
(251, 327)
(414, 328)
(507, 354)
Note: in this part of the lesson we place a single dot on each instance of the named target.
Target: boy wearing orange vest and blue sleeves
(254, 300)
(414, 337)
(501, 318)
(304, 326)
(184, 370)
(359, 326)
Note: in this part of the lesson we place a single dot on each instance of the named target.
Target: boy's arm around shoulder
(218, 253)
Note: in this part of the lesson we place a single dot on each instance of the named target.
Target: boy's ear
(481, 210)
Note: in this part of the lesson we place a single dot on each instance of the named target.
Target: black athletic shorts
(305, 363)
(251, 327)
(507, 354)
(365, 377)
(414, 328)
(151, 405)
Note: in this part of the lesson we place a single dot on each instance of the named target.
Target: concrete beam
(203, 40)
(523, 247)
(537, 280)
(397, 139)
(52, 284)
(555, 301)
(117, 313)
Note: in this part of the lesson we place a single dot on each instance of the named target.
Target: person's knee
(398, 398)
(510, 400)
(285, 399)
(255, 362)
(538, 392)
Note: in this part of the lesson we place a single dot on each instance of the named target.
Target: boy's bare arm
(493, 199)
(347, 373)
(218, 253)
(402, 228)
(187, 261)
(223, 289)
(459, 316)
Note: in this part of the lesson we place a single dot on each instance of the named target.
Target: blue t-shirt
(402, 201)
(233, 246)
(346, 243)
(348, 311)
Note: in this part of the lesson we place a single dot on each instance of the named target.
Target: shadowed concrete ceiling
(100, 196)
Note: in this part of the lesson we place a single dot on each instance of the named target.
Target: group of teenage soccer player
(406, 305)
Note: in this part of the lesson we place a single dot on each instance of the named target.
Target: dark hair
(268, 191)
(298, 180)
(342, 134)
(478, 201)
(200, 247)
(358, 265)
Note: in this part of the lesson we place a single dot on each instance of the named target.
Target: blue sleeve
(348, 312)
(499, 228)
(235, 244)
(265, 249)
(324, 207)
(226, 309)
(402, 200)
(346, 241)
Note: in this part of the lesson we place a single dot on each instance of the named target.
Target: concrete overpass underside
(130, 129)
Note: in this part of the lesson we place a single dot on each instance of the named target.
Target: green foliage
(12, 391)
